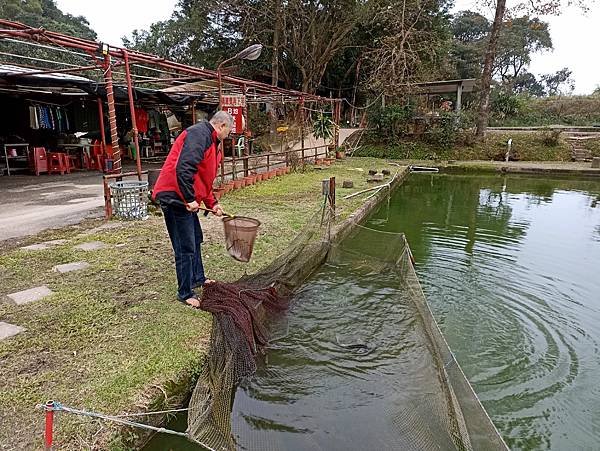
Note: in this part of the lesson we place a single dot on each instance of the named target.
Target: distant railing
(265, 161)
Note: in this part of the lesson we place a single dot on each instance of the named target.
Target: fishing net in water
(241, 312)
(238, 334)
(450, 415)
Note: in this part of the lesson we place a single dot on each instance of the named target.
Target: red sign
(238, 118)
(235, 105)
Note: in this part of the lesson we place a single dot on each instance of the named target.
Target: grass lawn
(112, 338)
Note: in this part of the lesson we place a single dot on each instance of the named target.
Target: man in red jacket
(185, 181)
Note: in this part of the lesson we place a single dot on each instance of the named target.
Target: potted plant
(323, 128)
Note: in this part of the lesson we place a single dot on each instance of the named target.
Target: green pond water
(511, 268)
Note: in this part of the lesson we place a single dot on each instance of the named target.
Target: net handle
(210, 210)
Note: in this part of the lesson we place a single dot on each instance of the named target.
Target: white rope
(58, 407)
(142, 414)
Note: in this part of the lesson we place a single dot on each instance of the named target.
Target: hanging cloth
(67, 125)
(33, 119)
(44, 119)
(163, 125)
(141, 120)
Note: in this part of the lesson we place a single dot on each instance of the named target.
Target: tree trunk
(488, 65)
(275, 59)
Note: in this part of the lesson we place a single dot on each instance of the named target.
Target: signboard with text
(235, 105)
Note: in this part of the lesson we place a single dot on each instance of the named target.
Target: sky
(575, 36)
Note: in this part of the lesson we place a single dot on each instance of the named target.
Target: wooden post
(302, 126)
(268, 162)
(233, 171)
(331, 195)
(107, 200)
(246, 166)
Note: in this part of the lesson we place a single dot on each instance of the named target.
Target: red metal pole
(138, 160)
(48, 435)
(107, 199)
(101, 118)
(112, 116)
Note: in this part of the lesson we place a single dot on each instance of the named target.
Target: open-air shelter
(111, 74)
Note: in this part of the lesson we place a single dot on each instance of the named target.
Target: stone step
(9, 330)
(68, 267)
(30, 295)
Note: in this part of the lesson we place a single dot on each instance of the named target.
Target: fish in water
(358, 347)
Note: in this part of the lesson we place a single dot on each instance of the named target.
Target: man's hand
(192, 206)
(217, 210)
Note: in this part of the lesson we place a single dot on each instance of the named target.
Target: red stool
(96, 158)
(38, 160)
(74, 162)
(58, 162)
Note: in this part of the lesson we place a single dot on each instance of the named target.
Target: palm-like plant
(323, 127)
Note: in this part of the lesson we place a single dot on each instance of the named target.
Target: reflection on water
(511, 268)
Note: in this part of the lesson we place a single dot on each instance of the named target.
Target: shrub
(550, 137)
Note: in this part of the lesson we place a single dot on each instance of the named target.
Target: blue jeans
(186, 238)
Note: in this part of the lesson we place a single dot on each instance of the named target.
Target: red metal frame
(178, 72)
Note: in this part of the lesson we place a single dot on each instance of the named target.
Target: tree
(559, 82)
(519, 39)
(43, 13)
(488, 66)
(533, 6)
(469, 30)
(526, 82)
(411, 41)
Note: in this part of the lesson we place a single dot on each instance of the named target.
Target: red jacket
(191, 168)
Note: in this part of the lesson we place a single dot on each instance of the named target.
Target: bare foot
(194, 302)
(209, 281)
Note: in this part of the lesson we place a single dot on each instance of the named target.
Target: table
(81, 150)
(17, 146)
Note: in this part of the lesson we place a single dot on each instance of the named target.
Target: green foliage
(323, 127)
(519, 39)
(443, 132)
(391, 123)
(259, 120)
(550, 137)
(42, 13)
(526, 147)
(505, 104)
(563, 110)
(404, 151)
(45, 13)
